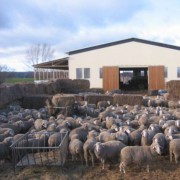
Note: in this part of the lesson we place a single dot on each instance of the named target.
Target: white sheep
(40, 124)
(174, 149)
(76, 148)
(138, 155)
(88, 146)
(5, 148)
(108, 150)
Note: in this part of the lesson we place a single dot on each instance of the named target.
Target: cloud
(69, 25)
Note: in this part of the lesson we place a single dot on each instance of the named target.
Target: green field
(17, 80)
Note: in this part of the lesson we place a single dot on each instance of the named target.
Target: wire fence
(32, 149)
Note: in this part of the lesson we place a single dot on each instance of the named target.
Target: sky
(74, 24)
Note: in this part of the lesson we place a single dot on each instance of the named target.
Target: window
(86, 73)
(100, 73)
(165, 72)
(78, 73)
(142, 73)
(178, 71)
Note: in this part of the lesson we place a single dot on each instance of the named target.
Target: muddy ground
(161, 169)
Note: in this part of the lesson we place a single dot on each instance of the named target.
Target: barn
(130, 64)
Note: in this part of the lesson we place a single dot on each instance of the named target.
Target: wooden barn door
(110, 78)
(156, 77)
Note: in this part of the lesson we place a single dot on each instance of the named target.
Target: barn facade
(130, 64)
(149, 64)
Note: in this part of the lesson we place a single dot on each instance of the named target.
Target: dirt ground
(161, 169)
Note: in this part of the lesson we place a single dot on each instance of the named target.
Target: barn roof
(122, 42)
(55, 64)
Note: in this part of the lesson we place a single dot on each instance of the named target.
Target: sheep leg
(176, 158)
(103, 162)
(147, 168)
(171, 154)
(86, 158)
(122, 168)
(81, 156)
(92, 158)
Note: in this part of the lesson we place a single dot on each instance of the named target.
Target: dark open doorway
(133, 79)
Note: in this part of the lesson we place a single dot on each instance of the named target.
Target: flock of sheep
(133, 134)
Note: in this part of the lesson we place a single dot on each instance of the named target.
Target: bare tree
(39, 53)
(4, 73)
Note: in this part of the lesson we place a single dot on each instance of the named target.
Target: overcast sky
(72, 24)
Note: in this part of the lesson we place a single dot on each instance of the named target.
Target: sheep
(106, 136)
(171, 129)
(3, 119)
(6, 132)
(55, 139)
(88, 146)
(168, 123)
(103, 104)
(76, 148)
(52, 127)
(106, 113)
(177, 123)
(171, 136)
(16, 126)
(40, 124)
(27, 125)
(138, 155)
(161, 139)
(38, 141)
(5, 148)
(134, 123)
(135, 136)
(174, 149)
(81, 131)
(173, 104)
(109, 122)
(147, 137)
(108, 150)
(143, 120)
(123, 137)
(17, 137)
(155, 127)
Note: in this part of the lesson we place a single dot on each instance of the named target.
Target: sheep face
(20, 124)
(169, 136)
(11, 132)
(144, 133)
(177, 123)
(98, 147)
(44, 124)
(157, 149)
(161, 122)
(8, 141)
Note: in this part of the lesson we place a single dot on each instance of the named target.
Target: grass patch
(17, 80)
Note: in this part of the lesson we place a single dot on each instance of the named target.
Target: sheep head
(156, 148)
(98, 147)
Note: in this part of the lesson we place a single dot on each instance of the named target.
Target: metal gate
(37, 154)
